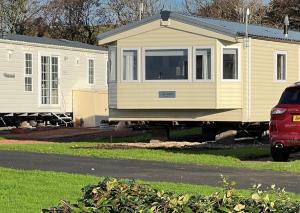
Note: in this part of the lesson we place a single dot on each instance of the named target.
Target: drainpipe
(247, 45)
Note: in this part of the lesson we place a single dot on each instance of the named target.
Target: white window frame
(28, 75)
(238, 67)
(116, 65)
(106, 71)
(40, 54)
(88, 71)
(279, 52)
(190, 63)
(195, 48)
(138, 64)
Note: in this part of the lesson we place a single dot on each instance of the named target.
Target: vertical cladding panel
(112, 95)
(266, 91)
(90, 106)
(72, 76)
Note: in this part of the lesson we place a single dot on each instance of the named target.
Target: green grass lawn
(228, 158)
(30, 191)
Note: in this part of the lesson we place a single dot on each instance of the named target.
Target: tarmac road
(148, 170)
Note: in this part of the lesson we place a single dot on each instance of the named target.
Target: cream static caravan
(172, 67)
(52, 79)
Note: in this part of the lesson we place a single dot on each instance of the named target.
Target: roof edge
(128, 27)
(174, 16)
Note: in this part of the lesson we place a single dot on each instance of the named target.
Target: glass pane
(290, 96)
(166, 64)
(130, 65)
(203, 64)
(112, 64)
(45, 81)
(91, 71)
(230, 64)
(281, 67)
(28, 84)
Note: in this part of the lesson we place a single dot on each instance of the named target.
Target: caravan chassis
(36, 119)
(209, 129)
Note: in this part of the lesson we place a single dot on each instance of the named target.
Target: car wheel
(280, 154)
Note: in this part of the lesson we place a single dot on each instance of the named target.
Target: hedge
(124, 196)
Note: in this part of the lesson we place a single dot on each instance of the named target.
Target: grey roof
(229, 28)
(49, 41)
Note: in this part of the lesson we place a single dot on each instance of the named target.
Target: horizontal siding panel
(146, 96)
(72, 76)
(265, 90)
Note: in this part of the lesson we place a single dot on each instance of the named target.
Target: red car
(285, 124)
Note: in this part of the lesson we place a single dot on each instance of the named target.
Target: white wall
(13, 97)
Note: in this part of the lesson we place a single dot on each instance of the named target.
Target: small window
(281, 66)
(230, 64)
(112, 64)
(130, 65)
(28, 72)
(166, 64)
(91, 71)
(203, 64)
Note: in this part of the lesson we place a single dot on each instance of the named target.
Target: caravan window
(28, 72)
(112, 64)
(91, 71)
(281, 66)
(130, 65)
(49, 80)
(203, 64)
(166, 64)
(230, 64)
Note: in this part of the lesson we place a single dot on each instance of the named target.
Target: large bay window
(166, 64)
(230, 64)
(203, 64)
(281, 66)
(130, 65)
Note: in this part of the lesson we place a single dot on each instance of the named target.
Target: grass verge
(226, 158)
(30, 191)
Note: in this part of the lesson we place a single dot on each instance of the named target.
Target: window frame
(189, 79)
(238, 48)
(195, 48)
(280, 52)
(88, 71)
(109, 73)
(28, 75)
(47, 54)
(138, 64)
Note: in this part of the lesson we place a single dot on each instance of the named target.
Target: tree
(278, 9)
(122, 12)
(17, 14)
(233, 10)
(74, 19)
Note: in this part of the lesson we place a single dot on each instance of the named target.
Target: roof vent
(286, 26)
(165, 15)
(165, 18)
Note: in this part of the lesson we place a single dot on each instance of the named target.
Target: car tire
(280, 154)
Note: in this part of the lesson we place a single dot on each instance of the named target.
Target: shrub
(116, 196)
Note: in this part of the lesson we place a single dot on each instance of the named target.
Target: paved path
(146, 170)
